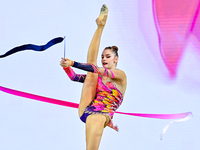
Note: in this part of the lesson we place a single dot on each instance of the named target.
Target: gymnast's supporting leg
(94, 130)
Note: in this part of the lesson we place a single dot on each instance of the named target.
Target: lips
(105, 63)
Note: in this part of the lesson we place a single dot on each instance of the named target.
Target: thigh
(108, 118)
(94, 130)
(88, 91)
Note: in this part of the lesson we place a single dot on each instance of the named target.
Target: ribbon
(182, 116)
(33, 47)
(39, 98)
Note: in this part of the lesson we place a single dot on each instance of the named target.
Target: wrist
(72, 63)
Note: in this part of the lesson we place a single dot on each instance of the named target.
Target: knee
(90, 84)
(91, 78)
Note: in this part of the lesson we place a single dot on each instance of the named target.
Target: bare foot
(101, 20)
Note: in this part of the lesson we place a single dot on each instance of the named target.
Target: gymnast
(103, 88)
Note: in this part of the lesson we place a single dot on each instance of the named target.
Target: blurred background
(158, 50)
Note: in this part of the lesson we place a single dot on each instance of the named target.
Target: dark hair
(114, 49)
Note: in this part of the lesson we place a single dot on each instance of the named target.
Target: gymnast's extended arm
(73, 76)
(115, 73)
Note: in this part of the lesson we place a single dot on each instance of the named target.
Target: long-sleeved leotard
(108, 97)
(73, 76)
(94, 69)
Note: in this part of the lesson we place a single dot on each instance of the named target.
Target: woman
(103, 88)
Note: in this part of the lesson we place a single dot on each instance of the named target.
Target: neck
(112, 67)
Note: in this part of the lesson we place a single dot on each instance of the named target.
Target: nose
(104, 58)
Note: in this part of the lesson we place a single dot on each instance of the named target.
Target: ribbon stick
(33, 47)
(64, 45)
(182, 116)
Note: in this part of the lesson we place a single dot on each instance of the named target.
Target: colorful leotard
(108, 98)
(93, 68)
(73, 76)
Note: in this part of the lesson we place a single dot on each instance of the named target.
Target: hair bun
(115, 48)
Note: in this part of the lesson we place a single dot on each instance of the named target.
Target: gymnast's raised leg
(94, 123)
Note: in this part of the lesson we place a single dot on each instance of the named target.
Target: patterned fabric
(92, 68)
(73, 76)
(108, 97)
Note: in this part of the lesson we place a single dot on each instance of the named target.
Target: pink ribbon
(181, 116)
(39, 98)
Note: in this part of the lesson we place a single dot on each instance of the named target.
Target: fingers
(65, 62)
(64, 59)
(62, 62)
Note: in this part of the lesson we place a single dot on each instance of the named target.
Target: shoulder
(121, 74)
(119, 70)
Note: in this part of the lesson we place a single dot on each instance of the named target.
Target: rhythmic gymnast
(103, 88)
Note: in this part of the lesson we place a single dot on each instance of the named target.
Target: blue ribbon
(33, 47)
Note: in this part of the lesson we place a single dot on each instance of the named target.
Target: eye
(108, 56)
(102, 57)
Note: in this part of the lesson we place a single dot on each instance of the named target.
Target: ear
(116, 59)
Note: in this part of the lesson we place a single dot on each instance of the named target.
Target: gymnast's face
(109, 60)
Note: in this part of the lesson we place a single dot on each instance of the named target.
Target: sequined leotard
(108, 97)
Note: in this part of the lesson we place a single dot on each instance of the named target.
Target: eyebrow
(106, 54)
